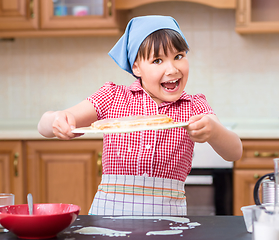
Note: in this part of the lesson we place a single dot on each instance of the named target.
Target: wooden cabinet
(64, 171)
(11, 169)
(53, 171)
(16, 14)
(257, 16)
(256, 161)
(128, 4)
(48, 18)
(244, 182)
(38, 18)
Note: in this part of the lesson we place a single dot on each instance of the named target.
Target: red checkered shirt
(162, 153)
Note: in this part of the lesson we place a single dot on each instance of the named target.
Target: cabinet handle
(16, 156)
(265, 154)
(109, 5)
(31, 8)
(99, 164)
(256, 176)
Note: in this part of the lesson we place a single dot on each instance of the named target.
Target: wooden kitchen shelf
(257, 16)
(35, 18)
(128, 4)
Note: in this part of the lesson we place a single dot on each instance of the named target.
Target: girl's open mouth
(171, 85)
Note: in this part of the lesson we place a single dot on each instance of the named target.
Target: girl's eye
(157, 61)
(178, 56)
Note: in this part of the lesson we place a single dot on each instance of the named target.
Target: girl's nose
(171, 69)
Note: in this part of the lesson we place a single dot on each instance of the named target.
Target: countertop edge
(35, 135)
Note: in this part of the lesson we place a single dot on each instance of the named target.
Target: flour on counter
(174, 219)
(193, 224)
(114, 233)
(101, 231)
(179, 228)
(164, 232)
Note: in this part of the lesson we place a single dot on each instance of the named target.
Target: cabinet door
(258, 154)
(18, 15)
(244, 182)
(78, 14)
(11, 173)
(64, 171)
(257, 16)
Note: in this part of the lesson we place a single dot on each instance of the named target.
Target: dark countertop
(211, 228)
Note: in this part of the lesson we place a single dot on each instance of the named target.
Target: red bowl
(46, 222)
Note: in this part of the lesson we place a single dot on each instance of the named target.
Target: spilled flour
(101, 231)
(164, 232)
(193, 224)
(179, 228)
(114, 233)
(168, 218)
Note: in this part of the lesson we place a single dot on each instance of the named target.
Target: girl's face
(163, 77)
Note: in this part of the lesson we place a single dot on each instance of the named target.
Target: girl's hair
(166, 38)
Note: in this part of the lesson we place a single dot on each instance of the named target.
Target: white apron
(139, 195)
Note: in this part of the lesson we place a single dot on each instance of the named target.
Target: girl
(144, 172)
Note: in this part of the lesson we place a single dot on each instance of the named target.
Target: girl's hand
(63, 124)
(200, 128)
(207, 128)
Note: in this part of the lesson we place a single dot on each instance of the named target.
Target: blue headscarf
(125, 50)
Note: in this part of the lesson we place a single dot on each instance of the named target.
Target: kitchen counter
(211, 228)
(254, 128)
(244, 128)
(28, 131)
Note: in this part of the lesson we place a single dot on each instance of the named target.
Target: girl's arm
(207, 128)
(61, 123)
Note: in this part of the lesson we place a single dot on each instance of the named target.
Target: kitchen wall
(239, 74)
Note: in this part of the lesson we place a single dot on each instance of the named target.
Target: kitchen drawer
(258, 154)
